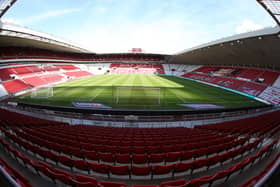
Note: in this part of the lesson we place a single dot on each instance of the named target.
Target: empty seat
(141, 172)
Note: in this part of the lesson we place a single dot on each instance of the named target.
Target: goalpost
(42, 92)
(137, 95)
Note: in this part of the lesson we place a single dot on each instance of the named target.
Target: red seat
(188, 155)
(66, 161)
(99, 169)
(81, 165)
(139, 149)
(157, 158)
(160, 171)
(214, 161)
(141, 172)
(82, 184)
(106, 157)
(120, 172)
(173, 157)
(123, 158)
(173, 183)
(200, 165)
(125, 149)
(91, 155)
(153, 149)
(219, 177)
(112, 184)
(82, 178)
(201, 182)
(139, 158)
(183, 168)
(64, 179)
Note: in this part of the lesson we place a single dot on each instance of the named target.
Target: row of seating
(13, 86)
(58, 176)
(55, 174)
(250, 74)
(132, 158)
(30, 76)
(226, 174)
(251, 182)
(14, 119)
(138, 156)
(15, 175)
(235, 84)
(137, 146)
(147, 171)
(262, 124)
(119, 133)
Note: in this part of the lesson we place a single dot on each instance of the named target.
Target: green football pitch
(138, 92)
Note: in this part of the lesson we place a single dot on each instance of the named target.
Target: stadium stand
(261, 176)
(14, 86)
(137, 68)
(5, 74)
(13, 175)
(67, 67)
(48, 171)
(269, 77)
(271, 94)
(250, 74)
(75, 74)
(34, 81)
(251, 88)
(178, 69)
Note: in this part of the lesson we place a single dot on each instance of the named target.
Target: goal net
(42, 92)
(137, 95)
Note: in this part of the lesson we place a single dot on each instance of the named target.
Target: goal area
(42, 92)
(137, 95)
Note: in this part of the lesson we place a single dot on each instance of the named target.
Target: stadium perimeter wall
(190, 124)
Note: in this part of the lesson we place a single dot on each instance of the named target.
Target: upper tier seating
(22, 70)
(77, 74)
(14, 86)
(51, 68)
(137, 68)
(67, 67)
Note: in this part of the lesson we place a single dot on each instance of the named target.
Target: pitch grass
(173, 91)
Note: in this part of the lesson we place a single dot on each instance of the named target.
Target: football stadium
(204, 116)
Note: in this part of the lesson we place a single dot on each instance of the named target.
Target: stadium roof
(15, 35)
(259, 48)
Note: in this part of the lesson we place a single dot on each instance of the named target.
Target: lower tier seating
(14, 86)
(54, 171)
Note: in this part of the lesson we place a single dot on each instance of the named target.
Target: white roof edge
(22, 29)
(261, 32)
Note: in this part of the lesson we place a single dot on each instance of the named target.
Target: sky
(156, 26)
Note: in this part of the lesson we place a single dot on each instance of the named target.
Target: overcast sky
(156, 26)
